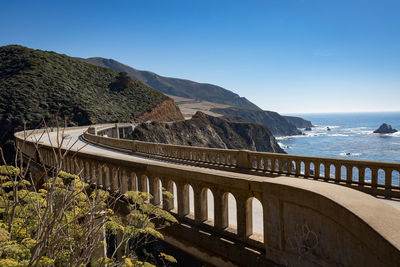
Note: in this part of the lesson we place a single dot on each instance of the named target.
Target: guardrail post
(243, 159)
(134, 146)
(116, 131)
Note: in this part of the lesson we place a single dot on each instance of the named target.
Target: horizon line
(340, 112)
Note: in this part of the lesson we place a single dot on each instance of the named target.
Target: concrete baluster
(298, 167)
(388, 178)
(349, 174)
(327, 170)
(338, 172)
(361, 175)
(280, 164)
(374, 177)
(306, 168)
(289, 167)
(317, 166)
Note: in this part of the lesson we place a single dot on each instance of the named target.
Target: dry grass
(190, 106)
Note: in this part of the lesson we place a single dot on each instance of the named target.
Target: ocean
(351, 137)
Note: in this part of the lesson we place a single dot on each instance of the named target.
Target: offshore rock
(385, 129)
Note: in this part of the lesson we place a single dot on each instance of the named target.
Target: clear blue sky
(291, 56)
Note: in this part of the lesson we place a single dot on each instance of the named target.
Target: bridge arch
(232, 210)
(257, 219)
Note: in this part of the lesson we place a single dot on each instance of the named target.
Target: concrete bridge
(241, 207)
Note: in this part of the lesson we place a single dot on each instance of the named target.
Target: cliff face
(207, 131)
(298, 122)
(166, 111)
(276, 123)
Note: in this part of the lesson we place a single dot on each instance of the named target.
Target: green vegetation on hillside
(34, 84)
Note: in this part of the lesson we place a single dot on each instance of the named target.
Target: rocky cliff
(207, 131)
(165, 111)
(299, 122)
(276, 123)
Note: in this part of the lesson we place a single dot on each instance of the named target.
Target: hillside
(178, 87)
(207, 131)
(34, 84)
(276, 123)
(211, 99)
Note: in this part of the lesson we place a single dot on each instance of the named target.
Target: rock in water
(385, 129)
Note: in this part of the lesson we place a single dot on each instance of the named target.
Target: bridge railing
(380, 178)
(304, 223)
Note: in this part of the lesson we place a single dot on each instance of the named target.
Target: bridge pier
(200, 204)
(183, 199)
(220, 210)
(244, 217)
(168, 204)
(154, 190)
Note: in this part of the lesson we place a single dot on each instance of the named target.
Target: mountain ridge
(177, 86)
(237, 109)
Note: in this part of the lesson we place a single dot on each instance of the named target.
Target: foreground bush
(65, 222)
